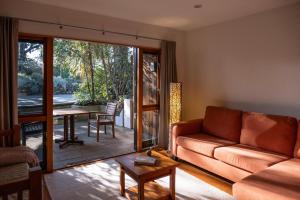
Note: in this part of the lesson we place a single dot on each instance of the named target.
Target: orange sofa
(259, 152)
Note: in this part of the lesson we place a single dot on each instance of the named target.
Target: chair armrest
(103, 115)
(35, 183)
(184, 128)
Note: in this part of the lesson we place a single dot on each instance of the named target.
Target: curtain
(168, 74)
(8, 72)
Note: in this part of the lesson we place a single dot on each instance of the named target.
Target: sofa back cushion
(297, 147)
(223, 122)
(270, 132)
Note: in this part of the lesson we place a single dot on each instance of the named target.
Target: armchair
(16, 175)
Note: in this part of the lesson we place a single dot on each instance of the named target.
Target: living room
(235, 132)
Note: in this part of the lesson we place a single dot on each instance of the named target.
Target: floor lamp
(175, 106)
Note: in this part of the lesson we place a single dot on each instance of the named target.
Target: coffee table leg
(122, 181)
(172, 183)
(141, 190)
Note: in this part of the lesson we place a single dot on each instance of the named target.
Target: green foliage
(30, 75)
(30, 84)
(95, 73)
(103, 71)
(65, 85)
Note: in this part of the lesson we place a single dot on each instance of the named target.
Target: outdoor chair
(20, 175)
(106, 118)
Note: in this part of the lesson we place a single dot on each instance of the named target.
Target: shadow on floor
(107, 147)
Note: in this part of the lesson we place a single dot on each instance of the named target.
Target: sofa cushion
(269, 132)
(202, 143)
(223, 122)
(247, 158)
(297, 146)
(14, 173)
(278, 182)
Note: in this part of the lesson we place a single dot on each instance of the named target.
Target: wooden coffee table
(145, 176)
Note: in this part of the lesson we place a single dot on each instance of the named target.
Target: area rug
(100, 180)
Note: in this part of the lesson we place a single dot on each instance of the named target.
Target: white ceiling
(177, 14)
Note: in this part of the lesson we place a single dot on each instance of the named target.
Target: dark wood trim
(49, 103)
(140, 100)
(32, 118)
(154, 51)
(150, 107)
(47, 115)
(140, 107)
(29, 38)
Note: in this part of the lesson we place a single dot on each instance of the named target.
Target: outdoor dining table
(69, 116)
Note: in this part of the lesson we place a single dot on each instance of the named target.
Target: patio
(92, 150)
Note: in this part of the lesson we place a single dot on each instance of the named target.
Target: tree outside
(93, 73)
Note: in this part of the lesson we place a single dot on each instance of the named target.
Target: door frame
(47, 115)
(140, 107)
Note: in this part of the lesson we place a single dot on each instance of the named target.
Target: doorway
(148, 94)
(87, 77)
(56, 73)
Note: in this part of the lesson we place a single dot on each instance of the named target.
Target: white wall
(26, 9)
(252, 63)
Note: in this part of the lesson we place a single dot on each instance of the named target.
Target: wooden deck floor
(91, 150)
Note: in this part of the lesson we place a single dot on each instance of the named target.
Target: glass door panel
(150, 98)
(31, 96)
(150, 128)
(150, 79)
(33, 136)
(31, 77)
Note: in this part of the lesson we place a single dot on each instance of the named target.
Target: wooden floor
(194, 171)
(205, 176)
(107, 147)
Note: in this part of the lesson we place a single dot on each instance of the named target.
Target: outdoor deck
(91, 150)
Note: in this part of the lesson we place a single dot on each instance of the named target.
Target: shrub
(60, 85)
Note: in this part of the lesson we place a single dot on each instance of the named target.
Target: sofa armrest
(184, 128)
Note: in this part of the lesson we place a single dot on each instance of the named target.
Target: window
(31, 77)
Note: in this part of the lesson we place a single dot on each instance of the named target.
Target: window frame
(140, 106)
(47, 115)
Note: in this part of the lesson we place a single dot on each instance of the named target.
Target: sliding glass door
(125, 74)
(148, 89)
(34, 102)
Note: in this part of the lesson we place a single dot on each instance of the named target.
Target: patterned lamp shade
(175, 102)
